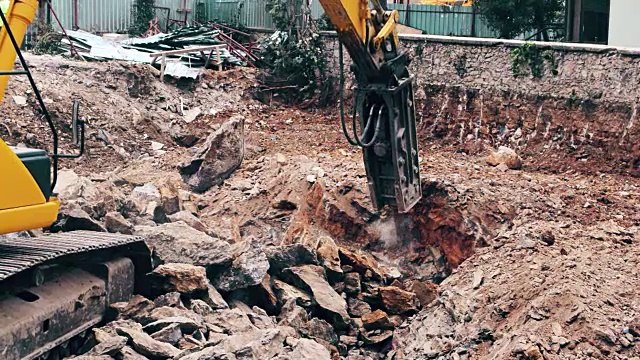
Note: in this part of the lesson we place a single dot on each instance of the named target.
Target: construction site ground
(536, 264)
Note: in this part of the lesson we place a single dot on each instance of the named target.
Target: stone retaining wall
(579, 112)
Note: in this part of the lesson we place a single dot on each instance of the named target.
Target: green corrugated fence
(102, 16)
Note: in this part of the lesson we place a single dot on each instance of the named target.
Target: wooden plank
(183, 51)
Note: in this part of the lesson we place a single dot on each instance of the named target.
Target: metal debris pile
(187, 64)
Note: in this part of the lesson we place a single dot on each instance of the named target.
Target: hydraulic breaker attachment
(383, 121)
(387, 136)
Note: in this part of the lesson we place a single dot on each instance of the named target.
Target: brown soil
(474, 218)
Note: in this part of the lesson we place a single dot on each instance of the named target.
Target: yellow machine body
(23, 206)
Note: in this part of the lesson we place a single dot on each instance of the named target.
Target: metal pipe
(75, 15)
(73, 48)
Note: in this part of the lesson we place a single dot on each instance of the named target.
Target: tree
(511, 18)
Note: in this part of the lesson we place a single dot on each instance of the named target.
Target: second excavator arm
(383, 101)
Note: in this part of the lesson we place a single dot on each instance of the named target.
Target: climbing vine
(143, 13)
(530, 57)
(293, 58)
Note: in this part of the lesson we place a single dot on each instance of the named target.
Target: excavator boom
(384, 102)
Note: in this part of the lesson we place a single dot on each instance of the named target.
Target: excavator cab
(30, 173)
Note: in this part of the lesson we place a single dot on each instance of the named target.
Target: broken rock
(425, 291)
(214, 299)
(362, 262)
(331, 303)
(397, 301)
(185, 324)
(221, 154)
(307, 349)
(328, 255)
(170, 334)
(180, 243)
(320, 331)
(285, 292)
(377, 320)
(116, 223)
(249, 267)
(283, 257)
(147, 346)
(293, 315)
(358, 308)
(233, 321)
(352, 283)
(71, 218)
(183, 278)
(506, 156)
(190, 219)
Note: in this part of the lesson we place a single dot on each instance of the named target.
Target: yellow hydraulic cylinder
(19, 15)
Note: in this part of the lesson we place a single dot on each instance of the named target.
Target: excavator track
(55, 288)
(20, 254)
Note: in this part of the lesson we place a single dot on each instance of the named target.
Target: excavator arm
(25, 174)
(383, 102)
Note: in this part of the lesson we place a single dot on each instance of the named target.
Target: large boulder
(221, 154)
(179, 243)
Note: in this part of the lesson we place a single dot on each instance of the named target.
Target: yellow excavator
(384, 105)
(53, 288)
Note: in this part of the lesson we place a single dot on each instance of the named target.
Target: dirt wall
(560, 105)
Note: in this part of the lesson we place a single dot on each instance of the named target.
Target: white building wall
(624, 23)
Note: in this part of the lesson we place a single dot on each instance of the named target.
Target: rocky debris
(320, 330)
(363, 263)
(171, 334)
(71, 218)
(307, 349)
(506, 156)
(188, 218)
(285, 292)
(249, 267)
(233, 321)
(397, 301)
(425, 291)
(180, 243)
(127, 353)
(287, 256)
(311, 278)
(221, 154)
(147, 346)
(214, 299)
(352, 283)
(183, 278)
(108, 345)
(358, 307)
(114, 222)
(171, 299)
(377, 320)
(329, 256)
(185, 324)
(137, 308)
(292, 315)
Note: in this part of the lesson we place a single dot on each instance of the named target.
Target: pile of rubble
(253, 302)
